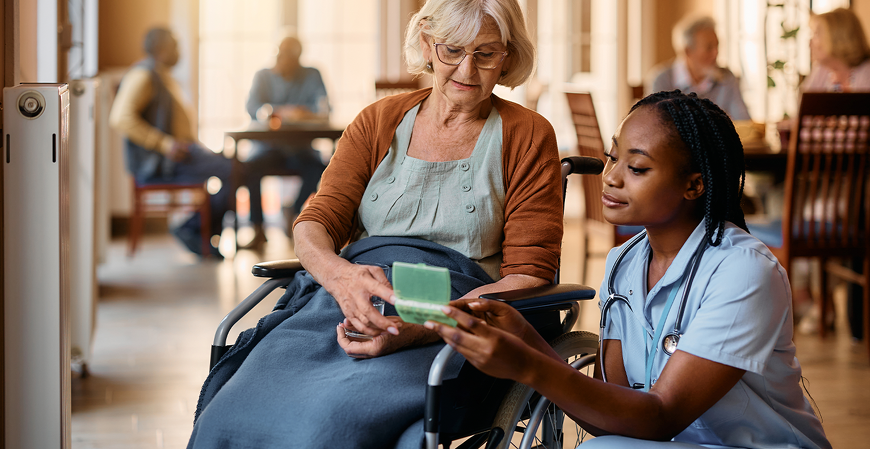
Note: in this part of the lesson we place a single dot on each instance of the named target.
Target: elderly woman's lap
(298, 387)
(619, 442)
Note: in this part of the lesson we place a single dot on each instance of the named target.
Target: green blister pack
(421, 290)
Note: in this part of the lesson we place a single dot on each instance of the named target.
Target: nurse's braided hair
(716, 153)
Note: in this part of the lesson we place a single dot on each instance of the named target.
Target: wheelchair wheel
(552, 429)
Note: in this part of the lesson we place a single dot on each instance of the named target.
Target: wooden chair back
(827, 203)
(826, 198)
(191, 197)
(385, 88)
(589, 143)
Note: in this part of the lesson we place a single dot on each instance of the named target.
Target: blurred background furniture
(297, 134)
(827, 208)
(384, 88)
(590, 143)
(166, 198)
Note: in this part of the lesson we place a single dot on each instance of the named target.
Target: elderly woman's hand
(377, 346)
(352, 286)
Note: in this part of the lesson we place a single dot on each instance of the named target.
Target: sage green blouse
(458, 204)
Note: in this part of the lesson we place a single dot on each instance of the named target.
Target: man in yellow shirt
(161, 145)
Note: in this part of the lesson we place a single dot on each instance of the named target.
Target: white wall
(46, 41)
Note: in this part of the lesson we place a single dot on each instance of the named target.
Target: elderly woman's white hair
(683, 35)
(459, 21)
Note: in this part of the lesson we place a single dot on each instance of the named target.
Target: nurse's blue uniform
(738, 313)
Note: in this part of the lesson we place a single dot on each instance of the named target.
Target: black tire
(512, 416)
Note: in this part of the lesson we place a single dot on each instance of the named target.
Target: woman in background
(841, 56)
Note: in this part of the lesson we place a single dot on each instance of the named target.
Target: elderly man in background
(695, 70)
(161, 145)
(292, 93)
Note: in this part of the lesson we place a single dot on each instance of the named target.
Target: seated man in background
(291, 93)
(161, 145)
(695, 70)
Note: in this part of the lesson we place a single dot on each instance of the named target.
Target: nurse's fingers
(466, 321)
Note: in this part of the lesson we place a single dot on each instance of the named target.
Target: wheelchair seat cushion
(287, 383)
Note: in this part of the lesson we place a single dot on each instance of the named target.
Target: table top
(300, 130)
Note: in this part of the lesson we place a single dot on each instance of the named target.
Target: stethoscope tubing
(613, 297)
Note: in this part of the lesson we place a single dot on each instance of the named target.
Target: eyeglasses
(486, 60)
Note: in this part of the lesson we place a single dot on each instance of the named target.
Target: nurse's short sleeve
(744, 306)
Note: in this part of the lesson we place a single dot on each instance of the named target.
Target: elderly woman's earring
(429, 65)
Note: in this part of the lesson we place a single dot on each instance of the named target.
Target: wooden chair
(385, 88)
(177, 197)
(590, 143)
(827, 208)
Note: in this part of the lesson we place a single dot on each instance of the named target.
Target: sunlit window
(236, 38)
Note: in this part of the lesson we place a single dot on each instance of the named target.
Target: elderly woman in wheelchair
(697, 323)
(453, 176)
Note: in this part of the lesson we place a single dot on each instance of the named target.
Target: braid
(715, 151)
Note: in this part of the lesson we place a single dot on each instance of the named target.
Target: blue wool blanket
(287, 383)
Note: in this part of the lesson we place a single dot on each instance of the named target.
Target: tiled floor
(158, 312)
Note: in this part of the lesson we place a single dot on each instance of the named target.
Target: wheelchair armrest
(277, 269)
(543, 297)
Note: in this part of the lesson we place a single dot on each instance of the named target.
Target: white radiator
(82, 192)
(36, 279)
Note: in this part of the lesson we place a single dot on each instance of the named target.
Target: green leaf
(770, 82)
(778, 65)
(790, 33)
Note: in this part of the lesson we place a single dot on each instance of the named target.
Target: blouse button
(391, 179)
(373, 197)
(464, 166)
(469, 208)
(466, 188)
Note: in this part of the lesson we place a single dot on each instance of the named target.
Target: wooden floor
(158, 311)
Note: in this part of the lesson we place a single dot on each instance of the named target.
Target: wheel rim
(555, 430)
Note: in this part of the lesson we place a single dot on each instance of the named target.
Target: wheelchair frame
(540, 305)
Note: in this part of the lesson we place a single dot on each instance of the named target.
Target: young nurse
(697, 346)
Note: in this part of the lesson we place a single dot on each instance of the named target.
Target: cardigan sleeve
(533, 200)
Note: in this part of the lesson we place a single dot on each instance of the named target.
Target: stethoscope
(670, 341)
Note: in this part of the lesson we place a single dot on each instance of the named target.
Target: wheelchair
(481, 410)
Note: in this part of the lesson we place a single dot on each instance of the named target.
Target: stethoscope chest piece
(669, 343)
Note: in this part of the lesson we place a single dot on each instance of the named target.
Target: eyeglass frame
(474, 61)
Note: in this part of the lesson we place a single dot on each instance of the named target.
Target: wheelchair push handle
(583, 165)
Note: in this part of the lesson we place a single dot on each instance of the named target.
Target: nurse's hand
(490, 349)
(496, 314)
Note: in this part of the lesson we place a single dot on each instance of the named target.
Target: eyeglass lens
(451, 55)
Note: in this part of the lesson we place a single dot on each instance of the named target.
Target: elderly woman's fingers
(373, 323)
(352, 348)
